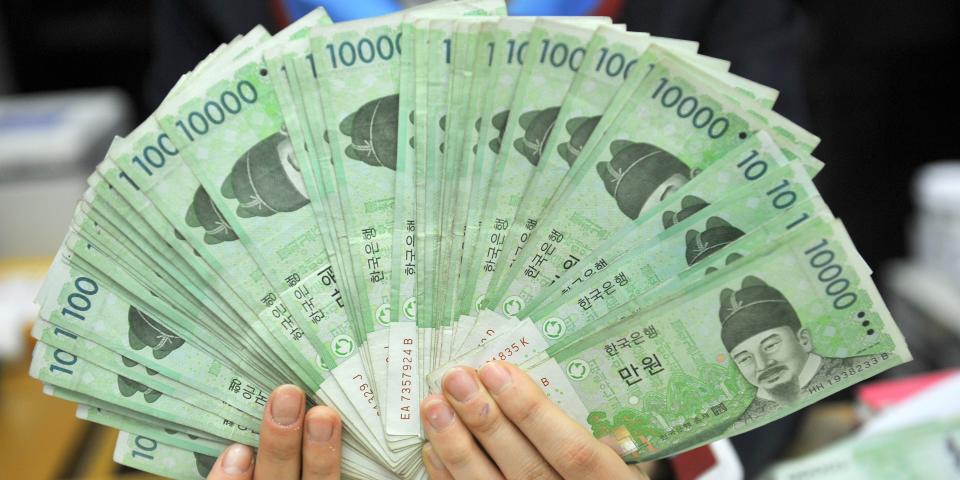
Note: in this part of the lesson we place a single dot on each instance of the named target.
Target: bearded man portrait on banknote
(772, 349)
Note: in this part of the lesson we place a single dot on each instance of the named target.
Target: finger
(434, 465)
(321, 444)
(235, 463)
(453, 443)
(506, 445)
(280, 432)
(567, 446)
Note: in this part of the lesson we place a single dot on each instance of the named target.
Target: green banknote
(610, 302)
(85, 259)
(361, 100)
(737, 171)
(324, 307)
(360, 111)
(745, 345)
(539, 88)
(411, 327)
(252, 185)
(686, 237)
(353, 391)
(303, 115)
(106, 199)
(508, 46)
(143, 263)
(131, 204)
(557, 50)
(216, 248)
(746, 163)
(432, 52)
(142, 418)
(637, 281)
(262, 214)
(611, 55)
(408, 329)
(682, 241)
(471, 58)
(432, 67)
(66, 370)
(501, 64)
(354, 208)
(415, 143)
(924, 451)
(440, 88)
(402, 408)
(139, 378)
(470, 172)
(106, 218)
(582, 46)
(332, 312)
(645, 147)
(145, 452)
(434, 56)
(354, 462)
(169, 436)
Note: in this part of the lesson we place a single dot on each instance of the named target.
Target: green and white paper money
(353, 208)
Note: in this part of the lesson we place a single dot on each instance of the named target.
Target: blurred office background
(874, 79)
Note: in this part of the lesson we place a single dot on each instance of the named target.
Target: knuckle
(484, 420)
(578, 457)
(456, 452)
(322, 469)
(282, 454)
(528, 410)
(280, 451)
(459, 456)
(535, 470)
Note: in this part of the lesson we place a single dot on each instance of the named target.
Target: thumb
(235, 463)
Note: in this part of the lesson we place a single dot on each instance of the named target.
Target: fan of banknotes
(355, 207)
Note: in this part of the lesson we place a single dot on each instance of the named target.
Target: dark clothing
(185, 31)
(762, 39)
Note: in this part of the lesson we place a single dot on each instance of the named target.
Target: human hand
(293, 445)
(497, 423)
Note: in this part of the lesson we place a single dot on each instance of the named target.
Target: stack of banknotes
(354, 207)
(926, 450)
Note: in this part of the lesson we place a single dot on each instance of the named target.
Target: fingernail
(494, 377)
(286, 404)
(439, 414)
(237, 459)
(459, 383)
(319, 428)
(432, 457)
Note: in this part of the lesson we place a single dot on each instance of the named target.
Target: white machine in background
(923, 290)
(49, 144)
